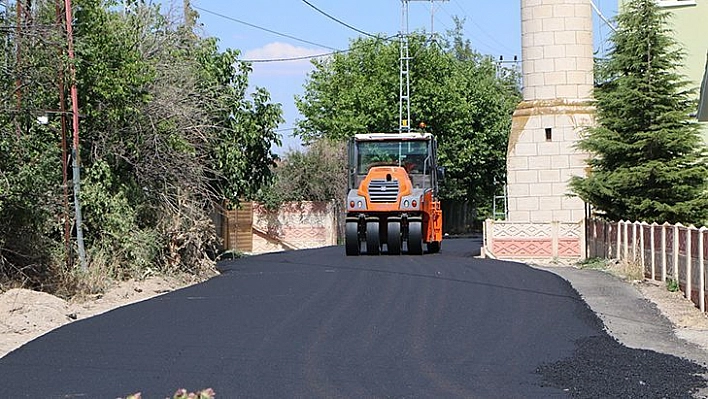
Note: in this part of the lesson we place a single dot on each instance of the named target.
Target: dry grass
(626, 270)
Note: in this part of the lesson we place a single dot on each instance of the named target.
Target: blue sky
(493, 27)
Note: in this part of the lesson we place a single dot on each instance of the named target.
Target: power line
(262, 28)
(436, 18)
(285, 129)
(306, 57)
(339, 20)
(602, 17)
(300, 58)
(479, 45)
(502, 45)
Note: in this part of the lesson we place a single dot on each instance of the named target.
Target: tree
(169, 127)
(455, 91)
(317, 174)
(648, 159)
(172, 128)
(30, 162)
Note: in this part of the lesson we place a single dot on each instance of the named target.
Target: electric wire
(602, 17)
(600, 42)
(306, 57)
(263, 29)
(285, 129)
(479, 45)
(339, 21)
(467, 15)
(300, 58)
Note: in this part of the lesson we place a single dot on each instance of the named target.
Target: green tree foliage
(168, 128)
(30, 161)
(455, 91)
(648, 162)
(317, 174)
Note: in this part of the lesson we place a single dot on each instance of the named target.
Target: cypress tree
(648, 159)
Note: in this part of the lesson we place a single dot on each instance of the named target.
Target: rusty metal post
(75, 124)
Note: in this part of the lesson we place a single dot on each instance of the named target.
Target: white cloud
(278, 50)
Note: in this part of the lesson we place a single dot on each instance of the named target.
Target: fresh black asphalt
(318, 324)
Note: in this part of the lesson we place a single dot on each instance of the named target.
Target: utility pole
(64, 148)
(75, 124)
(404, 104)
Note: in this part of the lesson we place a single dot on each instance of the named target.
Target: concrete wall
(295, 225)
(550, 241)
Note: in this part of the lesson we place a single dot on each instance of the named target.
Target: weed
(593, 263)
(623, 269)
(672, 285)
(230, 254)
(631, 270)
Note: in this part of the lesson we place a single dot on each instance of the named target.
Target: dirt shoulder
(641, 314)
(26, 315)
(690, 324)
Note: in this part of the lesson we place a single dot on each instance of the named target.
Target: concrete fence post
(635, 242)
(664, 260)
(652, 248)
(625, 240)
(619, 240)
(583, 240)
(676, 254)
(642, 246)
(608, 240)
(701, 270)
(689, 263)
(487, 237)
(555, 232)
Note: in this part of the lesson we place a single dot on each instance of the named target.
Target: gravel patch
(656, 344)
(602, 367)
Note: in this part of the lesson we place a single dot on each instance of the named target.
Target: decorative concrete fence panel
(294, 225)
(666, 251)
(539, 241)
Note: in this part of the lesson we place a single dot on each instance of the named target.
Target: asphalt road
(316, 323)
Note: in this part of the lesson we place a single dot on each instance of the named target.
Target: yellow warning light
(404, 122)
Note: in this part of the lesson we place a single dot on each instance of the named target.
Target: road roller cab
(393, 204)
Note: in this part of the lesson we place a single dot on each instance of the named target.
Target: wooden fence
(666, 251)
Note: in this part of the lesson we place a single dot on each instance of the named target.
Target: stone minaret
(557, 66)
